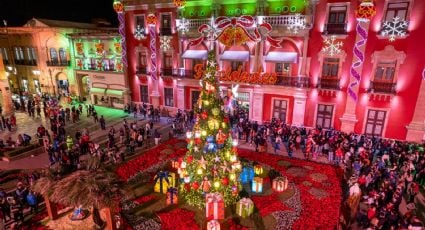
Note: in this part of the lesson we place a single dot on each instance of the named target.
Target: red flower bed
(178, 219)
(316, 213)
(148, 159)
(268, 204)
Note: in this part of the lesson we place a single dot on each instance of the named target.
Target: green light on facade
(234, 10)
(287, 6)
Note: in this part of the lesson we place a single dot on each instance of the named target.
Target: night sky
(18, 12)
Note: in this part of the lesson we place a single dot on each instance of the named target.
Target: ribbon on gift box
(262, 33)
(161, 175)
(280, 183)
(213, 225)
(172, 191)
(216, 199)
(257, 184)
(245, 205)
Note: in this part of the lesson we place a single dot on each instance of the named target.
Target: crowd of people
(385, 171)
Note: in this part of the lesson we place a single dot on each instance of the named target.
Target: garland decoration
(151, 19)
(119, 8)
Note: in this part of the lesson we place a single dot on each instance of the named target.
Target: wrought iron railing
(328, 83)
(382, 87)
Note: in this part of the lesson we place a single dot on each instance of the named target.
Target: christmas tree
(211, 163)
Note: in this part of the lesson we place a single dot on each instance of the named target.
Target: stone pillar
(257, 107)
(180, 97)
(416, 128)
(300, 98)
(349, 119)
(155, 96)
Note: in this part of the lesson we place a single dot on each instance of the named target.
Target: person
(32, 201)
(277, 142)
(5, 208)
(157, 137)
(102, 122)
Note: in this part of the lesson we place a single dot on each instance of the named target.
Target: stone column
(180, 97)
(300, 98)
(257, 107)
(416, 128)
(349, 119)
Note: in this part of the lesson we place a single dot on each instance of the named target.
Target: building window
(141, 59)
(54, 56)
(169, 97)
(280, 109)
(62, 56)
(5, 56)
(168, 61)
(330, 67)
(324, 116)
(385, 71)
(195, 97)
(165, 24)
(283, 69)
(139, 20)
(144, 94)
(235, 65)
(375, 122)
(92, 64)
(109, 64)
(397, 9)
(336, 20)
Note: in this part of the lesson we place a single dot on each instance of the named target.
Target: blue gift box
(246, 175)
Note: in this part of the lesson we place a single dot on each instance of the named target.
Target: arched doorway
(62, 84)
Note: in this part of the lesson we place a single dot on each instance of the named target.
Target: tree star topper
(331, 47)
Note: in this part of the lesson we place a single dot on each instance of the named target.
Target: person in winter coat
(32, 201)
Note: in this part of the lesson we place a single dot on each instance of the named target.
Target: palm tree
(94, 187)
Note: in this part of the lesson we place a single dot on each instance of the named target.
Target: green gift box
(244, 207)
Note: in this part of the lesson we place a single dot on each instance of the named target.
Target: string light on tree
(396, 28)
(139, 32)
(331, 46)
(165, 42)
(296, 23)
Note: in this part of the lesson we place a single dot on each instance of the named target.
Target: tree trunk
(110, 220)
(97, 219)
(52, 210)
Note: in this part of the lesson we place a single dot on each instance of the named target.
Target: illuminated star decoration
(203, 163)
(183, 25)
(165, 42)
(395, 28)
(217, 158)
(296, 22)
(139, 32)
(211, 63)
(224, 167)
(207, 75)
(331, 47)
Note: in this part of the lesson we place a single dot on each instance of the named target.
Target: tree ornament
(209, 87)
(202, 163)
(215, 111)
(235, 190)
(216, 184)
(199, 171)
(195, 185)
(206, 185)
(186, 179)
(232, 176)
(258, 169)
(189, 159)
(204, 115)
(225, 181)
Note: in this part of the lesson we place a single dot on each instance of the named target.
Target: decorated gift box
(213, 225)
(244, 207)
(247, 175)
(214, 206)
(163, 180)
(257, 184)
(280, 184)
(172, 196)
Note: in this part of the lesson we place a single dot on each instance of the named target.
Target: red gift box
(214, 206)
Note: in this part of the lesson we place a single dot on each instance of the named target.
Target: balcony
(58, 63)
(299, 82)
(183, 73)
(335, 28)
(382, 87)
(165, 32)
(30, 62)
(196, 23)
(328, 83)
(141, 70)
(166, 71)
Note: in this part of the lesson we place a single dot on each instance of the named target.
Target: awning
(114, 92)
(95, 90)
(235, 55)
(195, 54)
(288, 57)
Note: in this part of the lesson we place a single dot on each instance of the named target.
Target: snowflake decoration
(165, 42)
(395, 28)
(183, 25)
(296, 22)
(331, 47)
(139, 32)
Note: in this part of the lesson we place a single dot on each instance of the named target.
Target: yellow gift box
(163, 180)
